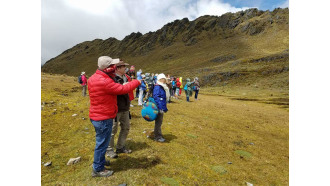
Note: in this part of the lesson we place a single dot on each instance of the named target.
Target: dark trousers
(196, 93)
(158, 125)
(137, 92)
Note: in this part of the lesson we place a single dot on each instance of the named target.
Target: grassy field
(229, 139)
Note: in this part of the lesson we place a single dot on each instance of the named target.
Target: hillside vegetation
(235, 51)
(216, 140)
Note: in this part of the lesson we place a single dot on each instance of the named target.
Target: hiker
(196, 87)
(149, 84)
(178, 85)
(173, 87)
(142, 90)
(131, 72)
(103, 93)
(161, 95)
(155, 78)
(84, 83)
(187, 88)
(123, 103)
(169, 85)
(138, 77)
(181, 86)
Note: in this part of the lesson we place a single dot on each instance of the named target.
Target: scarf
(166, 90)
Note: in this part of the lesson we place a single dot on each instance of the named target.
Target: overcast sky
(65, 23)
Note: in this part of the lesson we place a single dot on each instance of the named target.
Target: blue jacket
(159, 95)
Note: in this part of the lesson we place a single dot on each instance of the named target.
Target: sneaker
(111, 154)
(104, 173)
(160, 140)
(123, 150)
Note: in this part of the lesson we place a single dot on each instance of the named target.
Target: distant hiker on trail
(188, 89)
(181, 87)
(84, 83)
(138, 77)
(155, 78)
(196, 87)
(150, 84)
(123, 103)
(169, 85)
(142, 90)
(173, 87)
(161, 95)
(178, 85)
(131, 72)
(103, 109)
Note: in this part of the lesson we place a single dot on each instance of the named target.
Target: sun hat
(161, 76)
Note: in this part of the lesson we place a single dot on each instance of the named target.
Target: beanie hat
(104, 61)
(161, 76)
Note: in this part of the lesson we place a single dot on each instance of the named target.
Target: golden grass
(202, 137)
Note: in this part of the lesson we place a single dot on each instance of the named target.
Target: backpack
(149, 111)
(173, 84)
(80, 80)
(185, 87)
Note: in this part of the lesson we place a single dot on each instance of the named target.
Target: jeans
(103, 130)
(196, 93)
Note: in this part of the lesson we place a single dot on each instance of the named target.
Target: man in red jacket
(103, 91)
(123, 103)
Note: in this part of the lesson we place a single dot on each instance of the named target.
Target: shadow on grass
(169, 137)
(136, 146)
(126, 163)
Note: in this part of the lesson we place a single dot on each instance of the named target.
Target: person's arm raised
(119, 89)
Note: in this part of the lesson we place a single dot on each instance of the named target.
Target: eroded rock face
(251, 22)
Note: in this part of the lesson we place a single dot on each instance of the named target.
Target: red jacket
(84, 80)
(103, 93)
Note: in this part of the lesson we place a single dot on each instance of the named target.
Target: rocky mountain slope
(246, 48)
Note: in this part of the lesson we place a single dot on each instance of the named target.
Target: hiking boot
(162, 140)
(107, 163)
(104, 173)
(111, 154)
(123, 150)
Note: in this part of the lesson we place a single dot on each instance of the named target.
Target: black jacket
(123, 101)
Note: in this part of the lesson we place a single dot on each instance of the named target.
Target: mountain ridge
(182, 46)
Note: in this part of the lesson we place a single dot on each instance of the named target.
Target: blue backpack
(80, 80)
(185, 87)
(149, 111)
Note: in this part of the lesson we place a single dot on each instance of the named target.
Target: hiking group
(111, 90)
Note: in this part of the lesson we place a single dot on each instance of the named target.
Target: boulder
(73, 161)
(48, 164)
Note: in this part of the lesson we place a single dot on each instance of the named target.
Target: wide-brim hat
(121, 63)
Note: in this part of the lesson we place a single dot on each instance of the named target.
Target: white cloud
(284, 4)
(66, 23)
